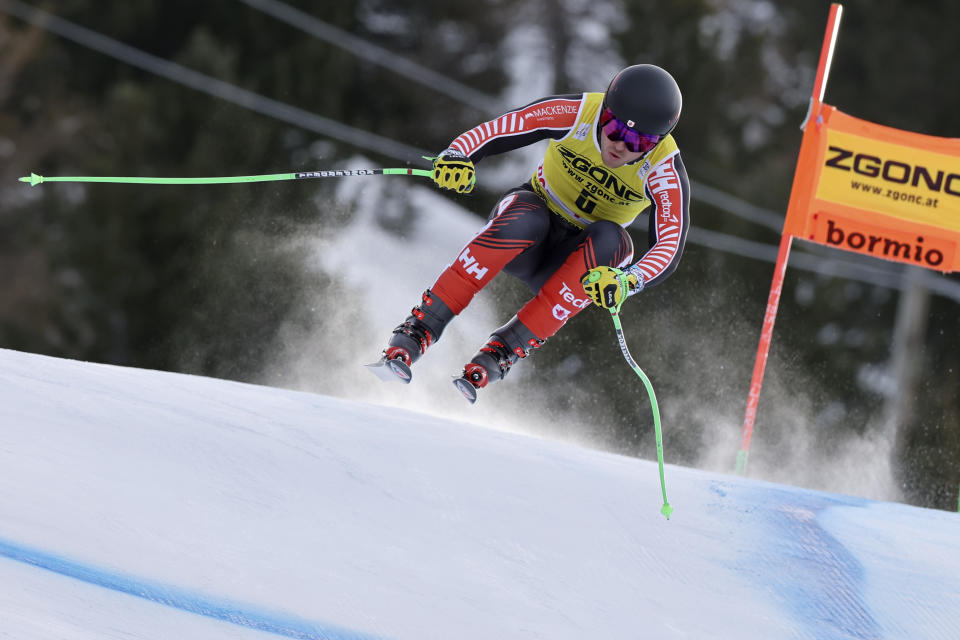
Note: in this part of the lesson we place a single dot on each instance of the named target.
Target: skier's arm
(668, 188)
(550, 117)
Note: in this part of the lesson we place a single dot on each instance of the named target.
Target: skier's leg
(518, 223)
(560, 298)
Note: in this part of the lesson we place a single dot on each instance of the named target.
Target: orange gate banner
(872, 189)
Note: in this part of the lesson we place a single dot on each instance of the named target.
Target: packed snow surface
(139, 504)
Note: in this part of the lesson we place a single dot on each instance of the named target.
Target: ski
(394, 370)
(466, 389)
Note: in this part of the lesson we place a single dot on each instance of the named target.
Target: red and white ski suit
(571, 215)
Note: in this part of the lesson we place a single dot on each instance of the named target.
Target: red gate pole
(800, 194)
(763, 350)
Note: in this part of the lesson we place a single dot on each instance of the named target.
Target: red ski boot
(508, 344)
(412, 337)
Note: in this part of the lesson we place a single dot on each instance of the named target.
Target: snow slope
(140, 504)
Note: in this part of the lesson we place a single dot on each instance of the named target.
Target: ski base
(466, 389)
(391, 370)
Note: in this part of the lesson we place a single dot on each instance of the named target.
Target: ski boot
(412, 337)
(508, 344)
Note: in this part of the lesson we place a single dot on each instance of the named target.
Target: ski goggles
(617, 130)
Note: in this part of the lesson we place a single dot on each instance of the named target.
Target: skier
(562, 233)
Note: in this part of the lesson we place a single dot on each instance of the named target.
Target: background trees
(198, 280)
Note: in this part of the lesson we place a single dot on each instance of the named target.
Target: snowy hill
(140, 504)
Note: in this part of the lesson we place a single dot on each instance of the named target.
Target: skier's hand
(608, 287)
(453, 170)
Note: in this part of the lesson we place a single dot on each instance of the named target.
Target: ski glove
(453, 170)
(608, 287)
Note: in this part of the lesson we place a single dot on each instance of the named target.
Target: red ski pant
(527, 240)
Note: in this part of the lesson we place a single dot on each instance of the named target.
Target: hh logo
(470, 264)
(663, 178)
(663, 182)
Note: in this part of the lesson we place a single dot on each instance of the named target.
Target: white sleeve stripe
(660, 256)
(660, 263)
(509, 123)
(667, 253)
(647, 273)
(673, 237)
(476, 142)
(672, 243)
(666, 242)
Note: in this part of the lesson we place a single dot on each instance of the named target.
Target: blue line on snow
(244, 615)
(818, 579)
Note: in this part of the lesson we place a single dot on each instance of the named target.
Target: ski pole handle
(666, 510)
(35, 179)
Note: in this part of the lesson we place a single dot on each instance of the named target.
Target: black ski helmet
(646, 98)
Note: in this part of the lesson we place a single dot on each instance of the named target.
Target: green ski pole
(35, 179)
(666, 510)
